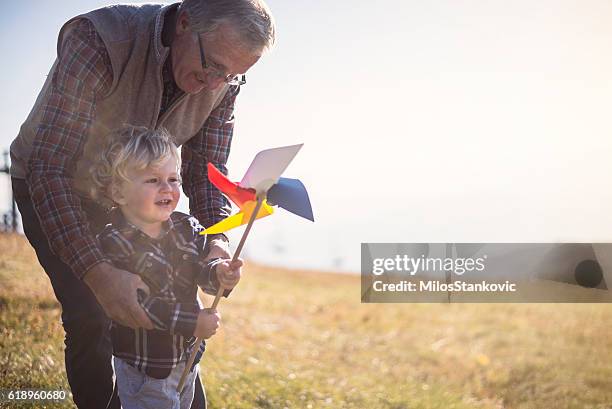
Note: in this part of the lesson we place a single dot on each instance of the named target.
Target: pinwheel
(261, 188)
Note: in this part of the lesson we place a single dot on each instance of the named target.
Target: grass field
(300, 339)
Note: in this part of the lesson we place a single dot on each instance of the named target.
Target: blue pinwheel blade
(291, 195)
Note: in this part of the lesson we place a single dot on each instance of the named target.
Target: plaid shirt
(173, 266)
(84, 75)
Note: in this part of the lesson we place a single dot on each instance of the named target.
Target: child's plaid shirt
(173, 266)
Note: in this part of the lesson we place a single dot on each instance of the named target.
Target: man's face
(223, 52)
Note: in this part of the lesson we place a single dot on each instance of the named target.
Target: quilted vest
(132, 36)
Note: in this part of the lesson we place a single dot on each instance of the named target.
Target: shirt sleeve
(211, 144)
(82, 75)
(207, 279)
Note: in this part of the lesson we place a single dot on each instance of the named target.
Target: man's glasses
(229, 79)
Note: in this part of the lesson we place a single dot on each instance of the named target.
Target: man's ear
(114, 191)
(182, 23)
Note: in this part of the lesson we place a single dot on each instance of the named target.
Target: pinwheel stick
(260, 199)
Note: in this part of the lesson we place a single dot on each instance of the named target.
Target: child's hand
(208, 323)
(228, 273)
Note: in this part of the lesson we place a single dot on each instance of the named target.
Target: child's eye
(151, 180)
(173, 180)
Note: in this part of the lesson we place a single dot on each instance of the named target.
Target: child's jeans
(140, 391)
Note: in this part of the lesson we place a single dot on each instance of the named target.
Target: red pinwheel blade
(236, 193)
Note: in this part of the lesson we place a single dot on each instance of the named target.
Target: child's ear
(114, 190)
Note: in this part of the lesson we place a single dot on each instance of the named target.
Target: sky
(422, 121)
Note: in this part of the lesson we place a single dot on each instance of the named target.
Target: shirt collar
(160, 50)
(129, 230)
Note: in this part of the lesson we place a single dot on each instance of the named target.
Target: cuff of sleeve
(221, 236)
(83, 254)
(208, 280)
(211, 237)
(184, 319)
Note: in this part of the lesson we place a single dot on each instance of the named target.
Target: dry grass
(300, 339)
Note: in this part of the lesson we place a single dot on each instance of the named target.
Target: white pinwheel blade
(267, 166)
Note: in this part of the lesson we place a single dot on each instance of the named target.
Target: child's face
(150, 196)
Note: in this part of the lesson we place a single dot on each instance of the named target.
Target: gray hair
(251, 19)
(129, 148)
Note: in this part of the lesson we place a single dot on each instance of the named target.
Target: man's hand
(208, 323)
(115, 290)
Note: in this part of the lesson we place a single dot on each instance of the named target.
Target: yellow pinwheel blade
(240, 218)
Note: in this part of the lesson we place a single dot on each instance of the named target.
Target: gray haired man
(176, 66)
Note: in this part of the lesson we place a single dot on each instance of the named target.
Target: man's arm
(83, 75)
(211, 144)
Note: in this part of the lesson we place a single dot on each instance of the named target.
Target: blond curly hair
(129, 148)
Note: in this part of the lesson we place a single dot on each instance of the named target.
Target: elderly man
(177, 66)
